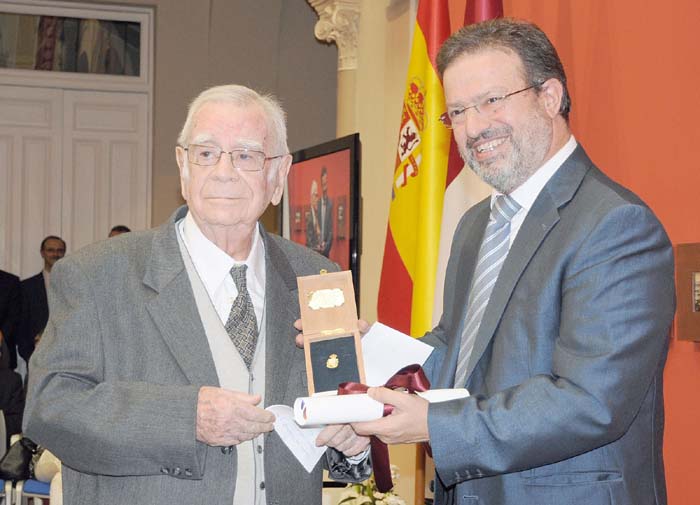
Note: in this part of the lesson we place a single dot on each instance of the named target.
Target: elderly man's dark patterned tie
(242, 326)
(492, 254)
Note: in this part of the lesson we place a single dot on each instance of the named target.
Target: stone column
(339, 22)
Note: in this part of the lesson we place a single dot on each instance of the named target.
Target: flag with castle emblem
(463, 188)
(431, 191)
(407, 281)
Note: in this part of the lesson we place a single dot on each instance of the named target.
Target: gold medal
(332, 361)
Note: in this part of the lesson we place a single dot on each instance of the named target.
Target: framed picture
(321, 207)
(687, 318)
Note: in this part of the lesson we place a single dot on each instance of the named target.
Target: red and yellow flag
(462, 188)
(428, 173)
(410, 254)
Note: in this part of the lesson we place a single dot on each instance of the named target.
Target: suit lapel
(174, 310)
(540, 220)
(282, 309)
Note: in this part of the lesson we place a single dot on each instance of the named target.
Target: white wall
(268, 45)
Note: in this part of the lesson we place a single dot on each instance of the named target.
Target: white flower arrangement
(366, 493)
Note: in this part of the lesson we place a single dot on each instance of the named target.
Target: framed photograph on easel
(324, 181)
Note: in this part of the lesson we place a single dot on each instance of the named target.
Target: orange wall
(634, 76)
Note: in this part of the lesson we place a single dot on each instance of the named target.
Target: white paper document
(300, 441)
(386, 351)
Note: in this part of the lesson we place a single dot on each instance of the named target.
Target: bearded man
(559, 297)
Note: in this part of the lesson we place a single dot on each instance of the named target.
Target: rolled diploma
(331, 409)
(321, 410)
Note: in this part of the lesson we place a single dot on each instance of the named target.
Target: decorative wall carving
(339, 22)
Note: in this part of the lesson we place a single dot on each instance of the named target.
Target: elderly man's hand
(363, 325)
(343, 438)
(407, 424)
(230, 417)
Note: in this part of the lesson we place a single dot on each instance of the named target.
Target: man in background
(35, 308)
(559, 297)
(325, 213)
(164, 346)
(118, 230)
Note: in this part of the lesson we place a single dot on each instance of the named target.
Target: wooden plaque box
(332, 345)
(687, 322)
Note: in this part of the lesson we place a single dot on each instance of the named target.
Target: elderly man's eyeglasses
(247, 160)
(487, 107)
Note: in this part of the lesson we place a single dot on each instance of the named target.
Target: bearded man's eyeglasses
(486, 107)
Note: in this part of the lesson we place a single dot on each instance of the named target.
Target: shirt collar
(213, 265)
(527, 192)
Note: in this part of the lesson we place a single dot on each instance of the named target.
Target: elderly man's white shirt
(213, 267)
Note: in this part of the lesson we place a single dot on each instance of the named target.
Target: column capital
(339, 22)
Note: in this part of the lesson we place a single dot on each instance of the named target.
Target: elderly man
(558, 301)
(164, 345)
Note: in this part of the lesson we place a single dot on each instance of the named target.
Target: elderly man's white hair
(242, 96)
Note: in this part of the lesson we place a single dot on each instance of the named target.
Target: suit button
(177, 470)
(262, 485)
(260, 449)
(164, 471)
(188, 472)
(227, 450)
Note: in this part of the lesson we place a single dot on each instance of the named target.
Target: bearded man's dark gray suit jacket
(566, 375)
(114, 384)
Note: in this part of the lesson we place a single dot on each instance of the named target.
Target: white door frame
(11, 253)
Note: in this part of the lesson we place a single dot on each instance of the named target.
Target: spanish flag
(463, 188)
(407, 282)
(430, 191)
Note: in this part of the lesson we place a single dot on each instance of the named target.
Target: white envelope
(386, 351)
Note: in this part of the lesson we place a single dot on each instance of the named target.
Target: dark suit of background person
(313, 226)
(11, 401)
(325, 214)
(312, 233)
(123, 383)
(10, 310)
(35, 307)
(566, 371)
(35, 314)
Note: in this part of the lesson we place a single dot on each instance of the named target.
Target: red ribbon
(411, 378)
